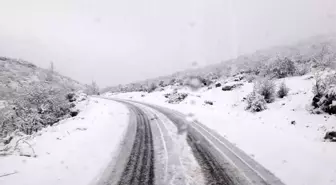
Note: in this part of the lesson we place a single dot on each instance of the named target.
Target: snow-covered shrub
(326, 58)
(283, 90)
(265, 88)
(175, 97)
(71, 97)
(238, 77)
(327, 102)
(319, 87)
(80, 96)
(35, 107)
(92, 89)
(76, 96)
(151, 88)
(161, 83)
(213, 75)
(324, 90)
(255, 102)
(6, 123)
(193, 82)
(323, 80)
(196, 82)
(302, 69)
(172, 81)
(280, 68)
(206, 81)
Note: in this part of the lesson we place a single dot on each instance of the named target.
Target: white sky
(121, 41)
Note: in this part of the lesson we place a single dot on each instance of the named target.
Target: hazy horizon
(115, 42)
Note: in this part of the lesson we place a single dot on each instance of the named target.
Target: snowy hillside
(32, 98)
(16, 74)
(305, 53)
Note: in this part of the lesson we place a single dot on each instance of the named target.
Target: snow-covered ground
(76, 151)
(295, 152)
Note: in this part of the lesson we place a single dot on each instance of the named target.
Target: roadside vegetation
(38, 98)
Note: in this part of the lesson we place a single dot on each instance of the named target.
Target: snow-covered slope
(16, 74)
(286, 138)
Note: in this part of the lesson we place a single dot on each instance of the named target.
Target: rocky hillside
(17, 74)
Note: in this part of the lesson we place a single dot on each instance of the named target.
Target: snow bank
(75, 151)
(285, 138)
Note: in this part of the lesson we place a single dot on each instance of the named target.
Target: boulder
(231, 87)
(208, 102)
(331, 136)
(74, 113)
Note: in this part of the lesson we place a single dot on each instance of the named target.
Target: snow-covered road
(208, 156)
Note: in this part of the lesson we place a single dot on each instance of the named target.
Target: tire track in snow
(213, 171)
(139, 169)
(174, 171)
(222, 162)
(160, 146)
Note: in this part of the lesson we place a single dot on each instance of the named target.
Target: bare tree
(93, 89)
(325, 58)
(52, 67)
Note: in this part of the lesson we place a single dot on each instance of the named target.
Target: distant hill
(16, 74)
(305, 50)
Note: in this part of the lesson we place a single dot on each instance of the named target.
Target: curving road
(221, 163)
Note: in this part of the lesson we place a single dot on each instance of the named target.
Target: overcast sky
(114, 42)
